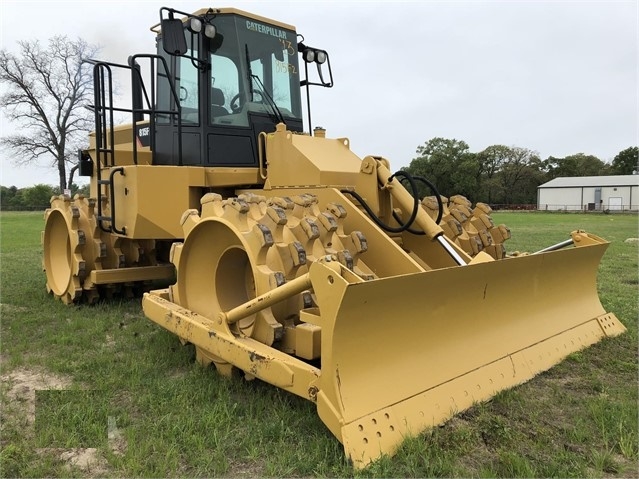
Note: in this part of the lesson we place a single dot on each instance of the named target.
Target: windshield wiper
(249, 72)
(265, 95)
(270, 102)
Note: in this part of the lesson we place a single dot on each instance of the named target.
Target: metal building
(590, 193)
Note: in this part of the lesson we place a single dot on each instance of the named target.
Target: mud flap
(405, 353)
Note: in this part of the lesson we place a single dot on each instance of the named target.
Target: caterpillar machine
(296, 261)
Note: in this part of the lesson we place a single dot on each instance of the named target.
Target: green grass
(131, 391)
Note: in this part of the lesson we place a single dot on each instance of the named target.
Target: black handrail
(142, 104)
(111, 219)
(136, 77)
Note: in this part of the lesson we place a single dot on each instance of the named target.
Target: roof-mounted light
(309, 55)
(194, 25)
(210, 31)
(320, 56)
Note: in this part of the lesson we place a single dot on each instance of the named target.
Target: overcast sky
(555, 77)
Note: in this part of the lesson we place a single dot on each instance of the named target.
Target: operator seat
(217, 103)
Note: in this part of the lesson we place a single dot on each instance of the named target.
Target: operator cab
(234, 76)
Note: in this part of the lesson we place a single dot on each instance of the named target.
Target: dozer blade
(405, 353)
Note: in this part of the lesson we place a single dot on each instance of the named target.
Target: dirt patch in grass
(85, 459)
(12, 308)
(109, 342)
(20, 388)
(246, 469)
(22, 385)
(88, 460)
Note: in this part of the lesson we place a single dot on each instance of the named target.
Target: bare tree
(47, 91)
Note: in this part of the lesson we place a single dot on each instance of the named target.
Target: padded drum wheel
(70, 248)
(240, 248)
(74, 245)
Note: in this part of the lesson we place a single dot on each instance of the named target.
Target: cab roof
(230, 10)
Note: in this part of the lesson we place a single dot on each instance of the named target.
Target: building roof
(592, 181)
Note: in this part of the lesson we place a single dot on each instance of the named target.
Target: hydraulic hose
(433, 189)
(432, 230)
(402, 226)
(440, 205)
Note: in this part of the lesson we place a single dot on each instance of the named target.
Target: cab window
(186, 88)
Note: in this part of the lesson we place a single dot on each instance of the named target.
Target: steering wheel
(185, 92)
(238, 101)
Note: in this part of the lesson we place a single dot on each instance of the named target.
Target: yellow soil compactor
(296, 261)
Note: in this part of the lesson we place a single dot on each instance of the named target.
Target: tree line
(499, 174)
(505, 174)
(35, 197)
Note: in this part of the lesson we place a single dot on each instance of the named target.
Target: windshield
(253, 65)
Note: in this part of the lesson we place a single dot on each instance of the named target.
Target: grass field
(101, 391)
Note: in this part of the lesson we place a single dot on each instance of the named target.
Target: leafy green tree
(448, 164)
(499, 173)
(492, 160)
(83, 190)
(38, 195)
(626, 162)
(467, 177)
(579, 164)
(519, 176)
(10, 197)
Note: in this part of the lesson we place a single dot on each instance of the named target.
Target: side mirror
(173, 39)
